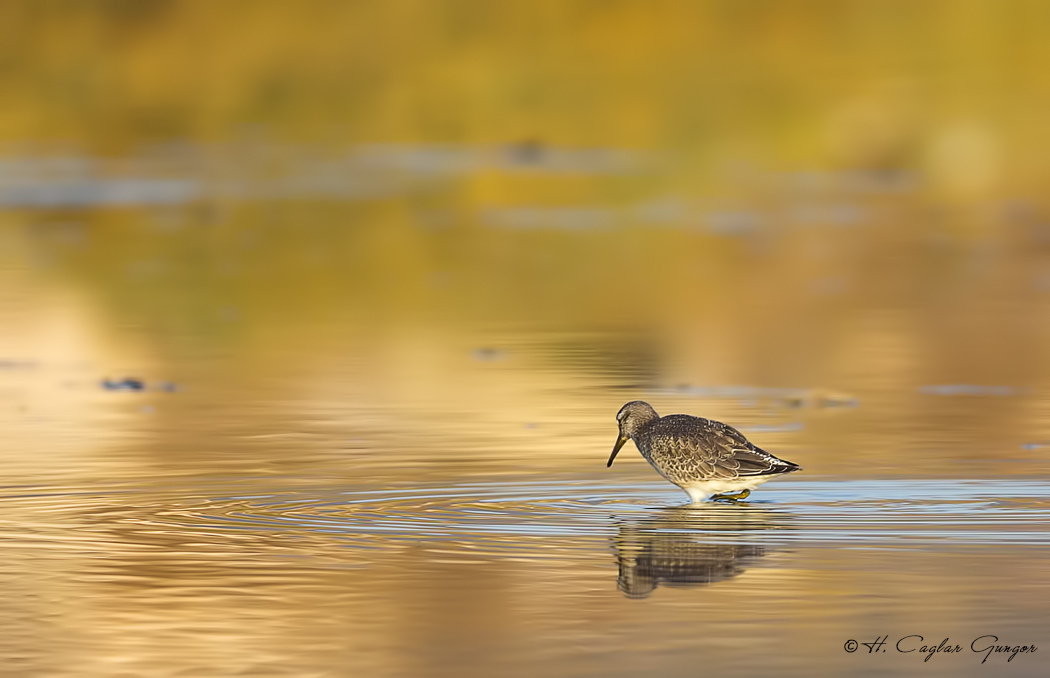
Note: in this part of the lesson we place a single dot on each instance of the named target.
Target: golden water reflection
(472, 577)
(682, 547)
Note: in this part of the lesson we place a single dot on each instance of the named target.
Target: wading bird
(707, 459)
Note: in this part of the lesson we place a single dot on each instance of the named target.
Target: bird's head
(632, 417)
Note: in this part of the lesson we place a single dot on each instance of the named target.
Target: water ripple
(533, 518)
(847, 512)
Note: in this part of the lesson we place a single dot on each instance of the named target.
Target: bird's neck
(643, 425)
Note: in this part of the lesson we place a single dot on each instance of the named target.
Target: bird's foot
(742, 494)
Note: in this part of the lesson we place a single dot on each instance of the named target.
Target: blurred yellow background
(840, 196)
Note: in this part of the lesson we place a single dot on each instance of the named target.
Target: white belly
(704, 489)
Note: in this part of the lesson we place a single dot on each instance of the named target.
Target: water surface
(314, 325)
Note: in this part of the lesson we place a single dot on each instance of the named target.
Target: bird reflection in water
(691, 546)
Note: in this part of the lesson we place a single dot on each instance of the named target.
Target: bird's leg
(742, 494)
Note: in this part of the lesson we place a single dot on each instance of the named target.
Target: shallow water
(519, 573)
(290, 490)
(232, 481)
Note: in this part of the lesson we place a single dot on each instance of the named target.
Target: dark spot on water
(135, 384)
(525, 152)
(125, 384)
(489, 354)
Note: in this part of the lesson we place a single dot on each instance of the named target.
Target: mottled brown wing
(691, 448)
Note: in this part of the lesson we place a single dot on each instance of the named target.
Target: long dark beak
(619, 443)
